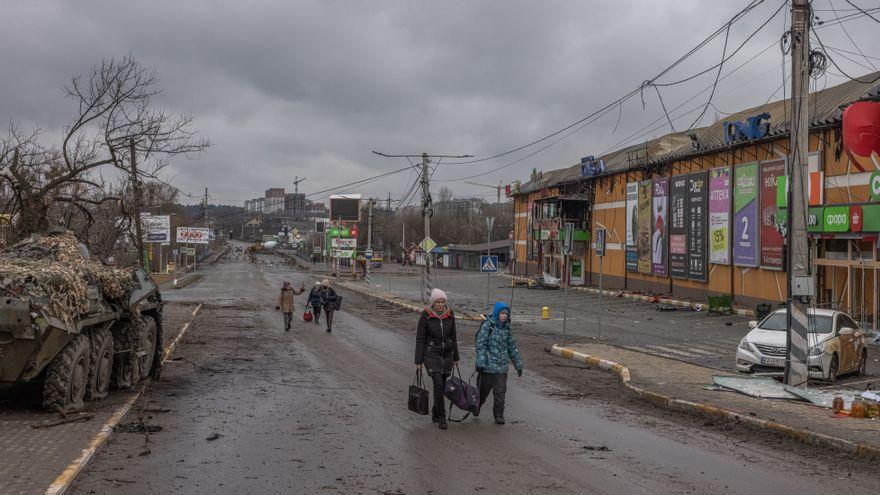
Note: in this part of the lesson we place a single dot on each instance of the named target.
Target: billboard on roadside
(719, 216)
(643, 240)
(157, 228)
(660, 237)
(678, 260)
(345, 207)
(697, 206)
(771, 238)
(193, 235)
(745, 215)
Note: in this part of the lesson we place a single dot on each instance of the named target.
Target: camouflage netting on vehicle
(55, 269)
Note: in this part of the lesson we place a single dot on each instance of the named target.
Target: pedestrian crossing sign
(489, 264)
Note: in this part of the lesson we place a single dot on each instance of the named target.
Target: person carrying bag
(437, 349)
(418, 395)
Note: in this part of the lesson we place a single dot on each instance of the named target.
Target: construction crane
(497, 188)
(296, 181)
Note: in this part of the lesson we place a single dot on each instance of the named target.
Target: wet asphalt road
(247, 408)
(681, 334)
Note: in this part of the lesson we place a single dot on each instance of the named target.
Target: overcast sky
(309, 88)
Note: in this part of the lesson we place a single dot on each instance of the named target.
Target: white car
(837, 345)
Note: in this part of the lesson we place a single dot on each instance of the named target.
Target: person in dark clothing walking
(496, 349)
(437, 349)
(316, 301)
(331, 303)
(285, 302)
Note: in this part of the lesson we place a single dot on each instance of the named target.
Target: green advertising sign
(333, 232)
(870, 218)
(745, 190)
(836, 219)
(874, 185)
(814, 219)
(782, 192)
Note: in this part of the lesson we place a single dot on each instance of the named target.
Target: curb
(402, 304)
(65, 479)
(860, 450)
(641, 297)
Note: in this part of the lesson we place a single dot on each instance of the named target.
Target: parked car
(837, 345)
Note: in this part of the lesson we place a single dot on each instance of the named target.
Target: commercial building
(701, 213)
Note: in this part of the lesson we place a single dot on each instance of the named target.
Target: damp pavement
(679, 334)
(244, 407)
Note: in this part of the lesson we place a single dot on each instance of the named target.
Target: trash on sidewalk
(666, 307)
(762, 387)
(825, 397)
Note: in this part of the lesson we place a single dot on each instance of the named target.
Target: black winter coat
(436, 342)
(316, 297)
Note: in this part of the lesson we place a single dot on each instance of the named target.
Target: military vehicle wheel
(100, 365)
(67, 377)
(149, 337)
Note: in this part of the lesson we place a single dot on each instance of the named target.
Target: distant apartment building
(294, 205)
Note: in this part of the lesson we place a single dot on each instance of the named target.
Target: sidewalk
(35, 457)
(663, 380)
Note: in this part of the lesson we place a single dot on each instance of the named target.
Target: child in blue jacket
(496, 349)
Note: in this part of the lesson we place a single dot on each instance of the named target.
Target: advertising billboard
(745, 215)
(345, 207)
(157, 228)
(678, 262)
(719, 216)
(697, 206)
(660, 236)
(193, 235)
(632, 199)
(771, 239)
(644, 233)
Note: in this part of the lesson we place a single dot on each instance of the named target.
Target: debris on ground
(213, 436)
(666, 307)
(599, 448)
(137, 427)
(62, 421)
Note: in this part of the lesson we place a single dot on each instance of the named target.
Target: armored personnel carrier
(73, 325)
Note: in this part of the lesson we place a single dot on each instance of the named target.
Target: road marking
(674, 351)
(63, 481)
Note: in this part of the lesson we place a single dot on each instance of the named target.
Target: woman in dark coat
(437, 349)
(316, 301)
(330, 301)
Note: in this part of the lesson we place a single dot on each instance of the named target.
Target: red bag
(307, 316)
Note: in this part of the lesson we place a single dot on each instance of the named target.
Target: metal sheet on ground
(824, 396)
(762, 387)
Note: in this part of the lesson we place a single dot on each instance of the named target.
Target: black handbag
(418, 395)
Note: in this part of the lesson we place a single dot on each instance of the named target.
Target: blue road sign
(489, 264)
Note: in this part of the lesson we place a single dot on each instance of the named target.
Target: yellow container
(545, 313)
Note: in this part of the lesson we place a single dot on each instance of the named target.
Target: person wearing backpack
(437, 349)
(496, 349)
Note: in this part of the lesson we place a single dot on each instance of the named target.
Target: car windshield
(776, 321)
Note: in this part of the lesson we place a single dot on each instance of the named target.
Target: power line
(834, 62)
(752, 5)
(851, 40)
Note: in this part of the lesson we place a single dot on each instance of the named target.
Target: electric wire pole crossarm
(427, 209)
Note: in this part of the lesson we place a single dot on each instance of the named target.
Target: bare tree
(115, 115)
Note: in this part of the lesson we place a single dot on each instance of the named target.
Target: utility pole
(490, 222)
(801, 284)
(427, 212)
(427, 208)
(368, 256)
(136, 190)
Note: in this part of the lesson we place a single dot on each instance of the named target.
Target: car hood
(777, 337)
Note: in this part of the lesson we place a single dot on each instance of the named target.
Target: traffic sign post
(600, 252)
(489, 263)
(490, 222)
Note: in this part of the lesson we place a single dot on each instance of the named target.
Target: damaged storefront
(694, 214)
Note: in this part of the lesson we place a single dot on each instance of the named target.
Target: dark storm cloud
(308, 88)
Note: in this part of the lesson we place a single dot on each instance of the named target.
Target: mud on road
(244, 407)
